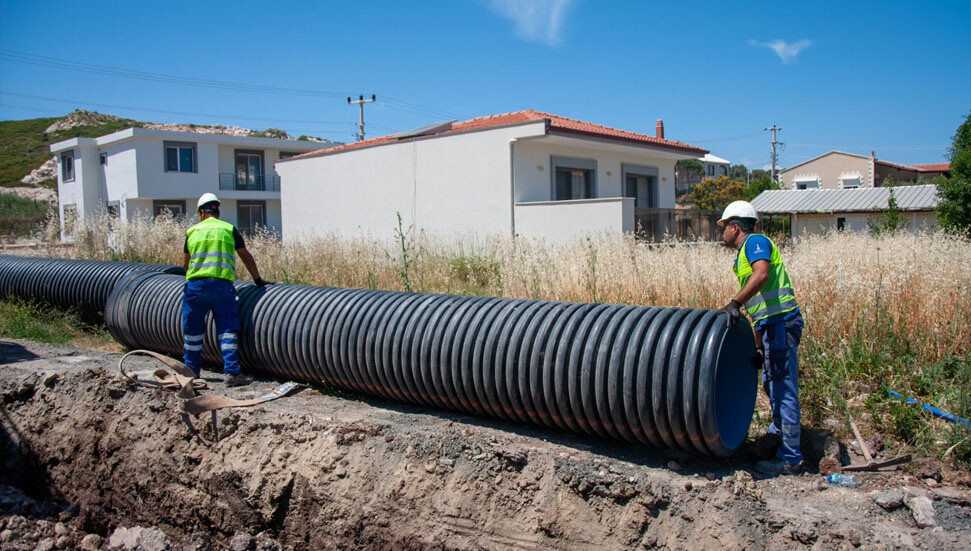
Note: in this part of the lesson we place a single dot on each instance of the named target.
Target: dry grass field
(888, 312)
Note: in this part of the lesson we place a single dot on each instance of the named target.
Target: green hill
(24, 145)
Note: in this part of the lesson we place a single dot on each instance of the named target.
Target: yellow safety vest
(212, 250)
(777, 296)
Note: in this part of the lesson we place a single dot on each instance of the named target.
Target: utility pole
(774, 129)
(360, 101)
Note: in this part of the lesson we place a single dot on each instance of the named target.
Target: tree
(757, 186)
(954, 194)
(689, 171)
(960, 151)
(890, 221)
(716, 193)
(738, 172)
(758, 174)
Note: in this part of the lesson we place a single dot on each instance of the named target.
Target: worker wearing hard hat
(210, 268)
(766, 291)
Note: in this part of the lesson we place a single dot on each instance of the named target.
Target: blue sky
(889, 76)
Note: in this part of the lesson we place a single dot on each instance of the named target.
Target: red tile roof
(934, 167)
(555, 123)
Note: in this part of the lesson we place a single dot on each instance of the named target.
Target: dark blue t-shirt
(758, 247)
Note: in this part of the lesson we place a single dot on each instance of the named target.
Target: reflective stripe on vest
(777, 296)
(211, 250)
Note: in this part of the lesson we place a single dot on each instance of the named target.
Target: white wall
(534, 170)
(559, 221)
(822, 223)
(154, 181)
(453, 184)
(457, 183)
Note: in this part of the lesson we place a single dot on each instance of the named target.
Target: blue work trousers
(780, 380)
(202, 296)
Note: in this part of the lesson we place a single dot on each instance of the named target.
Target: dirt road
(321, 470)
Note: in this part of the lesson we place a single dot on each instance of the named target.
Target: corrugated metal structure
(806, 201)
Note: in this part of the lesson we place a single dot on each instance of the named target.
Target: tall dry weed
(917, 285)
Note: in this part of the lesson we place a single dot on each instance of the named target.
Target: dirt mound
(316, 471)
(46, 171)
(80, 117)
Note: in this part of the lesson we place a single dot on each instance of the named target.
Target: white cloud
(786, 52)
(536, 20)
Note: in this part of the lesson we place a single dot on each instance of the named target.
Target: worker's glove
(732, 310)
(758, 359)
(260, 282)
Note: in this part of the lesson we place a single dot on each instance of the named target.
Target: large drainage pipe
(81, 285)
(669, 377)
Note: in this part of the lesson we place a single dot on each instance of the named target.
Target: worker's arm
(760, 274)
(185, 262)
(249, 262)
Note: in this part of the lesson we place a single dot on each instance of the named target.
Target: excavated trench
(320, 470)
(91, 460)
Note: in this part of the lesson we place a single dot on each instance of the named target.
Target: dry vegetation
(892, 311)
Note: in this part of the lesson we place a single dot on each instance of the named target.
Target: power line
(708, 140)
(84, 67)
(80, 66)
(31, 108)
(185, 113)
(899, 147)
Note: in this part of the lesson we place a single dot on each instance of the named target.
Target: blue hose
(938, 412)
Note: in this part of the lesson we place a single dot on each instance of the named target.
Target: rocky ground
(90, 461)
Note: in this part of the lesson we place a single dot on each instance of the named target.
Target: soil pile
(114, 461)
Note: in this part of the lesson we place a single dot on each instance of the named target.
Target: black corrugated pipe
(83, 285)
(671, 377)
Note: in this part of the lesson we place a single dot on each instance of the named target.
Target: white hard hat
(207, 198)
(738, 209)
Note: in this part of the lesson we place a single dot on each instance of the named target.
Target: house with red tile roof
(841, 170)
(523, 173)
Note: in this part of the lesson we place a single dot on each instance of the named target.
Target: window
(710, 170)
(641, 189)
(840, 223)
(723, 170)
(249, 169)
(250, 214)
(112, 209)
(70, 219)
(574, 178)
(67, 166)
(850, 180)
(175, 209)
(640, 182)
(103, 158)
(806, 182)
(180, 157)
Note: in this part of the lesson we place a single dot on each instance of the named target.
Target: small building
(712, 167)
(138, 170)
(819, 211)
(523, 173)
(841, 170)
(715, 166)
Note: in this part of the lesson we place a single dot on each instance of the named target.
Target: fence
(680, 224)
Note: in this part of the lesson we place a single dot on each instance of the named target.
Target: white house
(525, 173)
(139, 170)
(715, 166)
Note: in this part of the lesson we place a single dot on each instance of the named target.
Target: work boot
(238, 380)
(778, 467)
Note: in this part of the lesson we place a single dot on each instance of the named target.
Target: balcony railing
(252, 182)
(679, 224)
